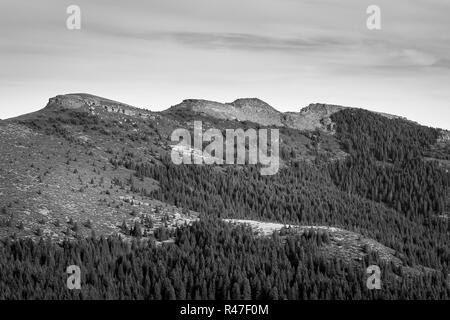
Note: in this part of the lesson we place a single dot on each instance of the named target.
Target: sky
(290, 53)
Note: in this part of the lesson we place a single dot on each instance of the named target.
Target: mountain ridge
(311, 117)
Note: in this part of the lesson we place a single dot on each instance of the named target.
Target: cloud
(395, 59)
(416, 58)
(224, 40)
(251, 42)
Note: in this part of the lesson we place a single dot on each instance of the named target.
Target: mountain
(376, 185)
(253, 110)
(314, 116)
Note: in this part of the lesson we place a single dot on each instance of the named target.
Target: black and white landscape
(92, 205)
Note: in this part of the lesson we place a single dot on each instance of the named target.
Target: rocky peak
(67, 101)
(198, 105)
(253, 105)
(321, 108)
(93, 104)
(246, 109)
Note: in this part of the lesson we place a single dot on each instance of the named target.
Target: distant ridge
(312, 117)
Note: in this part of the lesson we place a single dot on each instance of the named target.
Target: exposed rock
(258, 111)
(94, 104)
(444, 136)
(315, 116)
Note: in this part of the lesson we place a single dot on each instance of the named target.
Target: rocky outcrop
(444, 136)
(94, 104)
(315, 116)
(253, 110)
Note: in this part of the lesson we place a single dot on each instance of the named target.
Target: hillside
(85, 165)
